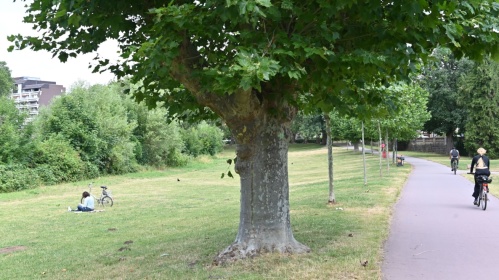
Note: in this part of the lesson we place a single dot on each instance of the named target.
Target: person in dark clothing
(454, 155)
(481, 165)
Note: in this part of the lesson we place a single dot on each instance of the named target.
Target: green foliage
(55, 161)
(411, 114)
(402, 113)
(162, 143)
(307, 126)
(441, 79)
(6, 82)
(203, 139)
(11, 134)
(479, 95)
(16, 177)
(345, 127)
(331, 49)
(94, 121)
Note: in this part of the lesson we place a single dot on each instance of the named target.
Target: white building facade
(32, 93)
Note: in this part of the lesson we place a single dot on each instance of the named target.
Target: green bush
(177, 158)
(161, 143)
(203, 139)
(193, 144)
(94, 121)
(17, 177)
(55, 161)
(211, 138)
(120, 160)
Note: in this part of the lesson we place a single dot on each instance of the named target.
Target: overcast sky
(41, 64)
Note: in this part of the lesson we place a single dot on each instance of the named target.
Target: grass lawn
(170, 224)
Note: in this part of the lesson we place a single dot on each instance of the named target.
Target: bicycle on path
(105, 199)
(454, 166)
(483, 181)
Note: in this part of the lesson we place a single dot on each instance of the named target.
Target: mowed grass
(170, 224)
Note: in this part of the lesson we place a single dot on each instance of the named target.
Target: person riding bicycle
(454, 156)
(87, 205)
(481, 164)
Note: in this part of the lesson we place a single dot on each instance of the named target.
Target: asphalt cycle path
(437, 232)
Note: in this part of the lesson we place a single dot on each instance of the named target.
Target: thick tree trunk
(262, 164)
(356, 146)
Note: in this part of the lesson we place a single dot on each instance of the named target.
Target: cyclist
(481, 164)
(454, 156)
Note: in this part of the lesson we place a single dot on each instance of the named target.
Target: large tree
(441, 80)
(479, 95)
(250, 61)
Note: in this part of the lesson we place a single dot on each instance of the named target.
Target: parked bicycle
(483, 181)
(105, 199)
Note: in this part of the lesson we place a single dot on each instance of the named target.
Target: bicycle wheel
(107, 201)
(479, 198)
(454, 166)
(484, 200)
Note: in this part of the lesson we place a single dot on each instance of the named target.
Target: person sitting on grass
(87, 205)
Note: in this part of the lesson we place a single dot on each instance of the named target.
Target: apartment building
(31, 93)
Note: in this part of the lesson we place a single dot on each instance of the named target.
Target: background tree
(411, 111)
(6, 82)
(251, 61)
(11, 133)
(94, 121)
(308, 127)
(479, 95)
(440, 79)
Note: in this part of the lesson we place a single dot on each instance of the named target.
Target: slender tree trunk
(332, 198)
(324, 134)
(364, 155)
(387, 146)
(380, 151)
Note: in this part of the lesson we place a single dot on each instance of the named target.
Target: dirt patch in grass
(12, 249)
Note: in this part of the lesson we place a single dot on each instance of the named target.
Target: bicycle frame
(484, 181)
(105, 196)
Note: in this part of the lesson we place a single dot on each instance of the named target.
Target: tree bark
(262, 164)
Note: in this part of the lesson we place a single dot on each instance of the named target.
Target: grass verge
(170, 224)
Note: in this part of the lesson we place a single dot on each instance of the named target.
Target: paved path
(437, 232)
